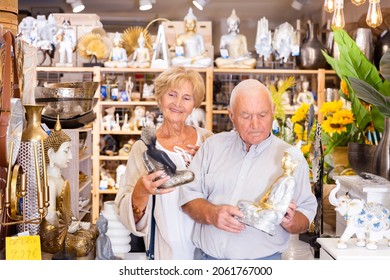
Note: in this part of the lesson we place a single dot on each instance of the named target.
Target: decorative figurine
(269, 211)
(136, 120)
(282, 41)
(60, 233)
(118, 55)
(147, 91)
(369, 221)
(233, 47)
(263, 40)
(305, 96)
(93, 46)
(66, 37)
(103, 242)
(141, 56)
(155, 159)
(190, 49)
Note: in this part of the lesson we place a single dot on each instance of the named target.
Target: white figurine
(147, 91)
(190, 48)
(118, 56)
(126, 125)
(305, 96)
(66, 37)
(263, 39)
(141, 56)
(233, 46)
(283, 40)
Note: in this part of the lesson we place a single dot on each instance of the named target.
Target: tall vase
(311, 56)
(381, 162)
(381, 46)
(31, 151)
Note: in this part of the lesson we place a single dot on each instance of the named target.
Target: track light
(77, 5)
(200, 4)
(145, 5)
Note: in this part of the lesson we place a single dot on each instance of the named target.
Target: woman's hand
(192, 149)
(148, 184)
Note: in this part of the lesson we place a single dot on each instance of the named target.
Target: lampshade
(145, 5)
(77, 6)
(200, 3)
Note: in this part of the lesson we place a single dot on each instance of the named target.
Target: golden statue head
(56, 138)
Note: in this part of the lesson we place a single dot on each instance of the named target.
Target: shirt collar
(257, 149)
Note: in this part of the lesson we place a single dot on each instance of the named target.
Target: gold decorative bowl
(66, 100)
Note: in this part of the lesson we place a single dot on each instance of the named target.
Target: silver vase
(381, 162)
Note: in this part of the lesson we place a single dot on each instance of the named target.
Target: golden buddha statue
(233, 46)
(60, 233)
(190, 48)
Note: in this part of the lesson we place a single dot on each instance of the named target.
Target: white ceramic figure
(126, 125)
(233, 46)
(46, 37)
(305, 96)
(109, 119)
(197, 118)
(282, 41)
(369, 221)
(66, 38)
(190, 48)
(147, 91)
(263, 44)
(137, 117)
(141, 56)
(28, 30)
(118, 56)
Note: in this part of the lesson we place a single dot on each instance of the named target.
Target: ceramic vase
(118, 233)
(311, 56)
(360, 157)
(381, 161)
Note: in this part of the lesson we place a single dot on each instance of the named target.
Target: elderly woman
(178, 91)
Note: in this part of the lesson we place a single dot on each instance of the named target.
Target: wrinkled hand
(149, 183)
(223, 217)
(192, 149)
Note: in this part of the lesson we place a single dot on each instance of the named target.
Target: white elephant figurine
(370, 222)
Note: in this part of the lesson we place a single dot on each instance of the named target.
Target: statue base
(90, 64)
(262, 219)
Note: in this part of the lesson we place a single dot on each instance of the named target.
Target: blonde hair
(174, 77)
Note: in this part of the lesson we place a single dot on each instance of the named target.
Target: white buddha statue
(233, 46)
(305, 96)
(118, 55)
(61, 234)
(141, 55)
(190, 48)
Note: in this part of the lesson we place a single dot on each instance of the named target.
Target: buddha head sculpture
(233, 22)
(190, 21)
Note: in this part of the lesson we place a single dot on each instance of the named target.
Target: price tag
(23, 248)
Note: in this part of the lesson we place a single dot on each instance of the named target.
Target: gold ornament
(92, 46)
(130, 39)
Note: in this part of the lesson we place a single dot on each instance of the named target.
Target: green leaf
(370, 95)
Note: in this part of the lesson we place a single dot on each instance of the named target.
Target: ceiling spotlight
(145, 5)
(298, 4)
(200, 3)
(77, 5)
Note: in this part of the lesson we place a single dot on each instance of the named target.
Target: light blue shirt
(224, 174)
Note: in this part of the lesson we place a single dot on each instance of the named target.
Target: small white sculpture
(126, 125)
(305, 96)
(116, 125)
(118, 56)
(109, 119)
(66, 37)
(147, 92)
(129, 86)
(263, 39)
(369, 221)
(197, 118)
(283, 40)
(141, 56)
(136, 120)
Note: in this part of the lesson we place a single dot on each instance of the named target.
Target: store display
(263, 44)
(93, 47)
(367, 220)
(190, 47)
(269, 211)
(233, 47)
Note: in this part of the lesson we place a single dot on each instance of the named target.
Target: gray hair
(248, 85)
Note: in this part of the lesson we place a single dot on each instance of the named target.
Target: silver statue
(269, 211)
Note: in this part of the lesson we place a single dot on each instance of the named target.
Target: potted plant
(363, 86)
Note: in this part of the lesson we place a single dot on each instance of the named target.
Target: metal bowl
(66, 100)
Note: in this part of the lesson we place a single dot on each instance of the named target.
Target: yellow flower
(306, 148)
(344, 88)
(328, 108)
(298, 131)
(343, 117)
(301, 113)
